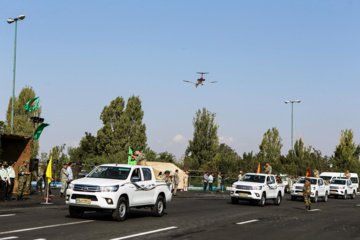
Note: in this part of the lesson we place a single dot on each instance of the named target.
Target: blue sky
(80, 55)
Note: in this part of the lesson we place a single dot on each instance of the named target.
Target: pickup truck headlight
(71, 186)
(313, 188)
(234, 186)
(109, 188)
(343, 187)
(257, 188)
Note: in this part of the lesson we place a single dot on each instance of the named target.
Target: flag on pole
(48, 171)
(130, 162)
(308, 174)
(31, 105)
(39, 130)
(258, 171)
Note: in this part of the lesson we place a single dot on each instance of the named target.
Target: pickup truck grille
(299, 188)
(86, 188)
(334, 187)
(243, 187)
(91, 197)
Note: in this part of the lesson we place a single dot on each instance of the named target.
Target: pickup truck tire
(277, 200)
(353, 195)
(316, 197)
(345, 195)
(262, 200)
(234, 200)
(121, 211)
(158, 209)
(293, 198)
(325, 197)
(76, 212)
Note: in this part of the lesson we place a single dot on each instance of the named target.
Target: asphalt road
(191, 215)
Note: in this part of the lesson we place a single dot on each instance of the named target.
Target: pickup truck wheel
(234, 200)
(120, 213)
(325, 198)
(353, 195)
(76, 212)
(345, 195)
(261, 202)
(293, 198)
(158, 209)
(316, 197)
(277, 200)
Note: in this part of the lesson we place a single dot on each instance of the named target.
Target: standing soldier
(316, 173)
(4, 179)
(268, 168)
(64, 179)
(11, 173)
(139, 157)
(348, 175)
(186, 180)
(40, 179)
(219, 178)
(307, 193)
(22, 177)
(240, 175)
(176, 181)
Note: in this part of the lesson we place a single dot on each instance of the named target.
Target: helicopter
(201, 80)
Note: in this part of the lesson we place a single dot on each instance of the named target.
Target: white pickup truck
(116, 188)
(257, 188)
(318, 189)
(342, 187)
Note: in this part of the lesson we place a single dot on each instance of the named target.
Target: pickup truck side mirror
(135, 179)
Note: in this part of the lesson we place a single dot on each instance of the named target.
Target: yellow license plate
(333, 191)
(83, 200)
(244, 194)
(301, 193)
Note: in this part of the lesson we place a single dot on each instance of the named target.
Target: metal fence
(197, 184)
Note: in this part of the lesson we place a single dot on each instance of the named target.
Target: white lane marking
(13, 237)
(250, 221)
(358, 205)
(40, 239)
(314, 210)
(7, 215)
(145, 233)
(49, 226)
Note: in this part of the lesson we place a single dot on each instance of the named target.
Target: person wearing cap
(279, 178)
(22, 177)
(186, 180)
(4, 181)
(316, 173)
(138, 157)
(40, 179)
(64, 175)
(240, 175)
(268, 168)
(166, 178)
(176, 181)
(307, 193)
(11, 173)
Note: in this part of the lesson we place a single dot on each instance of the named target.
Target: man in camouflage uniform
(279, 178)
(22, 177)
(348, 175)
(307, 193)
(139, 157)
(64, 179)
(166, 178)
(268, 168)
(316, 173)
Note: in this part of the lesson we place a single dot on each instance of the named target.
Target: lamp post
(10, 21)
(292, 120)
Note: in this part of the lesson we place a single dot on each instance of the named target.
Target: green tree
(22, 124)
(2, 126)
(270, 149)
(204, 145)
(227, 160)
(150, 154)
(166, 157)
(346, 155)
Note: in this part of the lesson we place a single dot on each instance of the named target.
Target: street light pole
(292, 121)
(11, 20)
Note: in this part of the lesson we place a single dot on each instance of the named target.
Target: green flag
(31, 105)
(130, 162)
(39, 130)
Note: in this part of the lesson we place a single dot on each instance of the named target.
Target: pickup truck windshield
(120, 173)
(312, 181)
(338, 181)
(326, 178)
(253, 178)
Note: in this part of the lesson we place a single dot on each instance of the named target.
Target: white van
(329, 176)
